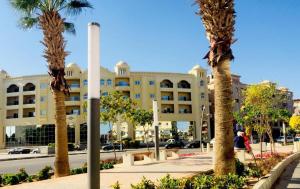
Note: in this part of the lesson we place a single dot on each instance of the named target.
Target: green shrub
(44, 173)
(84, 168)
(239, 167)
(22, 175)
(255, 172)
(168, 182)
(229, 181)
(0, 180)
(30, 178)
(116, 185)
(10, 179)
(51, 145)
(76, 171)
(144, 184)
(203, 182)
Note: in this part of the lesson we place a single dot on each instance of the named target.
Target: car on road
(194, 144)
(297, 139)
(35, 151)
(176, 144)
(19, 151)
(111, 147)
(288, 139)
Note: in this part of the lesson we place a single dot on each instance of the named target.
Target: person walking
(239, 143)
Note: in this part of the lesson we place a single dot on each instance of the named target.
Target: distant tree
(141, 117)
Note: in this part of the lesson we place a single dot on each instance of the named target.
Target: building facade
(297, 106)
(27, 107)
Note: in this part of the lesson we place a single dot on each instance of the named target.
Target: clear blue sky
(166, 35)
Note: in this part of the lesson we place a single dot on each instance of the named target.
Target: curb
(36, 157)
(275, 173)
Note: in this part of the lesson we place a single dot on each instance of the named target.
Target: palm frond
(70, 27)
(28, 22)
(218, 17)
(75, 7)
(25, 6)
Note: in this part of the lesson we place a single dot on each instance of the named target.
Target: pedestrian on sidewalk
(239, 143)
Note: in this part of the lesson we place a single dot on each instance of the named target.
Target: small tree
(113, 107)
(142, 117)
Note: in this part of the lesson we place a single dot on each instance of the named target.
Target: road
(32, 166)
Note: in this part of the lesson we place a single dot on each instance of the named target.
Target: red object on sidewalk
(247, 144)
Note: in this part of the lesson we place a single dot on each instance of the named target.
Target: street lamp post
(93, 106)
(156, 129)
(201, 127)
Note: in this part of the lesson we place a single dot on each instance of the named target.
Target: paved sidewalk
(128, 175)
(290, 178)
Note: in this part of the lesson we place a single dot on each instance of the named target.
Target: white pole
(156, 129)
(93, 106)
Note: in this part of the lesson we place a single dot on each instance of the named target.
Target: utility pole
(93, 106)
(201, 127)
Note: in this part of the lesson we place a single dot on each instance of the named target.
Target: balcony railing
(184, 98)
(167, 111)
(30, 114)
(73, 98)
(74, 85)
(29, 101)
(122, 84)
(168, 98)
(185, 111)
(14, 116)
(12, 103)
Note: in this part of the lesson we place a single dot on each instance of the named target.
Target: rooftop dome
(122, 63)
(197, 67)
(3, 71)
(73, 65)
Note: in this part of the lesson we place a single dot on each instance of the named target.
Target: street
(32, 166)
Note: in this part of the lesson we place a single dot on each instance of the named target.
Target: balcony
(12, 101)
(12, 114)
(122, 84)
(30, 99)
(167, 96)
(167, 108)
(29, 87)
(73, 110)
(184, 96)
(74, 84)
(12, 89)
(184, 85)
(166, 84)
(185, 109)
(28, 112)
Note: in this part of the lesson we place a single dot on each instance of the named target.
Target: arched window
(166, 84)
(29, 87)
(102, 82)
(13, 89)
(184, 84)
(109, 82)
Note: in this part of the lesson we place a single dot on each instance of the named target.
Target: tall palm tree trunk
(53, 27)
(224, 152)
(61, 136)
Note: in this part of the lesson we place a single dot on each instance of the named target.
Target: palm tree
(46, 14)
(218, 17)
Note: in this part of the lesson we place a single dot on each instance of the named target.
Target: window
(202, 95)
(43, 112)
(201, 83)
(138, 96)
(104, 93)
(109, 82)
(137, 82)
(43, 98)
(152, 96)
(85, 82)
(102, 82)
(122, 71)
(69, 73)
(85, 96)
(151, 82)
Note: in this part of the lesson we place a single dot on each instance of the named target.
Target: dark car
(176, 144)
(195, 144)
(19, 151)
(111, 147)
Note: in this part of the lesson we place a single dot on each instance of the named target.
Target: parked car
(19, 150)
(35, 151)
(297, 139)
(169, 141)
(111, 147)
(288, 139)
(176, 144)
(194, 144)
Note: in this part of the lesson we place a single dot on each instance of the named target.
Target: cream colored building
(27, 111)
(297, 106)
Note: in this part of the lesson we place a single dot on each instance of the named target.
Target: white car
(288, 139)
(212, 141)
